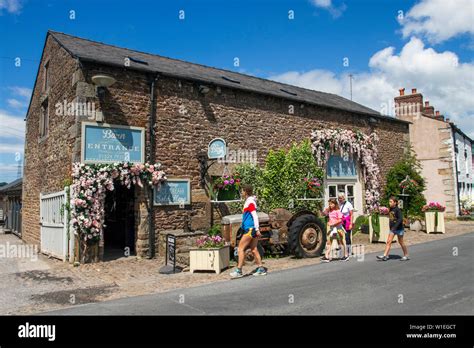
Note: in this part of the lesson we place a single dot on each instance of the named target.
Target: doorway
(119, 229)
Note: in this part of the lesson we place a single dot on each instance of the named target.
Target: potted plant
(379, 225)
(416, 223)
(434, 217)
(211, 254)
(227, 187)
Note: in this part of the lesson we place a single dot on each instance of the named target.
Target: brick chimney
(408, 105)
(428, 110)
(439, 117)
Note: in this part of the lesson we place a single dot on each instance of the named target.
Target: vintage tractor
(302, 234)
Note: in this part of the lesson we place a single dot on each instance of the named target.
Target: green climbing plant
(280, 182)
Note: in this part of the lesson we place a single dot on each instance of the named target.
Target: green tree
(409, 166)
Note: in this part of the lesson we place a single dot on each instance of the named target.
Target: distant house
(10, 196)
(443, 149)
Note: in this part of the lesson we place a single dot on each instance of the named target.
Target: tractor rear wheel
(249, 257)
(306, 236)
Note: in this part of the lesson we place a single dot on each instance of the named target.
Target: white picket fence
(54, 238)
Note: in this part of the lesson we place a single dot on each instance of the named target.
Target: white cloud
(16, 104)
(21, 91)
(11, 6)
(12, 126)
(11, 148)
(439, 20)
(328, 5)
(322, 3)
(439, 76)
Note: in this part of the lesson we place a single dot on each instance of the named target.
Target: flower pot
(384, 230)
(434, 222)
(227, 195)
(416, 226)
(209, 259)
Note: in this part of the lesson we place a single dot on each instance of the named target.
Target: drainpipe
(151, 224)
(456, 186)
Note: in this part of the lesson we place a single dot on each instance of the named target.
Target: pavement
(438, 280)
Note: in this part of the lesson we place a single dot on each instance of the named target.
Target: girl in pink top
(335, 230)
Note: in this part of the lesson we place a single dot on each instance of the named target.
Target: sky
(384, 44)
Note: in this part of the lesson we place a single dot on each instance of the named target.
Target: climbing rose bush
(347, 142)
(90, 184)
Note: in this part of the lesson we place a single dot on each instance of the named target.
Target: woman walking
(396, 228)
(251, 234)
(347, 211)
(335, 231)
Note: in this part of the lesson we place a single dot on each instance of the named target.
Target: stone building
(444, 151)
(185, 105)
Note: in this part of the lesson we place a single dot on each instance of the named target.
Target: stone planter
(433, 223)
(416, 226)
(211, 259)
(384, 230)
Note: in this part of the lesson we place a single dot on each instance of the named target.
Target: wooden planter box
(384, 230)
(214, 259)
(430, 219)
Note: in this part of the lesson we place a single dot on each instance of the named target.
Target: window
(346, 189)
(46, 76)
(44, 119)
(341, 167)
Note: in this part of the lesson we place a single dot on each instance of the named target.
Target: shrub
(214, 231)
(281, 181)
(361, 220)
(408, 166)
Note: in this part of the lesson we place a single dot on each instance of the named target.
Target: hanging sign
(105, 143)
(217, 148)
(173, 192)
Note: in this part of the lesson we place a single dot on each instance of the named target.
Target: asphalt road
(433, 282)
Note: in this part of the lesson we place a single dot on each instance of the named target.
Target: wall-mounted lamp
(102, 82)
(203, 89)
(373, 121)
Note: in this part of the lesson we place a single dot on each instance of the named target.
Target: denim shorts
(398, 232)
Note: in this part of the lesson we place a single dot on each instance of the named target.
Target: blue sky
(385, 52)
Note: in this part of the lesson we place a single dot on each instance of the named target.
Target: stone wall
(47, 161)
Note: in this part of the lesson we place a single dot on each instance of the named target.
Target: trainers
(405, 258)
(237, 273)
(260, 271)
(345, 258)
(325, 259)
(382, 257)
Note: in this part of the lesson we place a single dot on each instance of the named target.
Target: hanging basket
(228, 195)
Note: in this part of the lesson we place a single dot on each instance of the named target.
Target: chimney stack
(428, 110)
(438, 116)
(408, 106)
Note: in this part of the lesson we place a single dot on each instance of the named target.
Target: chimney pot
(427, 103)
(402, 91)
(413, 90)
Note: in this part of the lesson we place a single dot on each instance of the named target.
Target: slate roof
(92, 51)
(11, 187)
